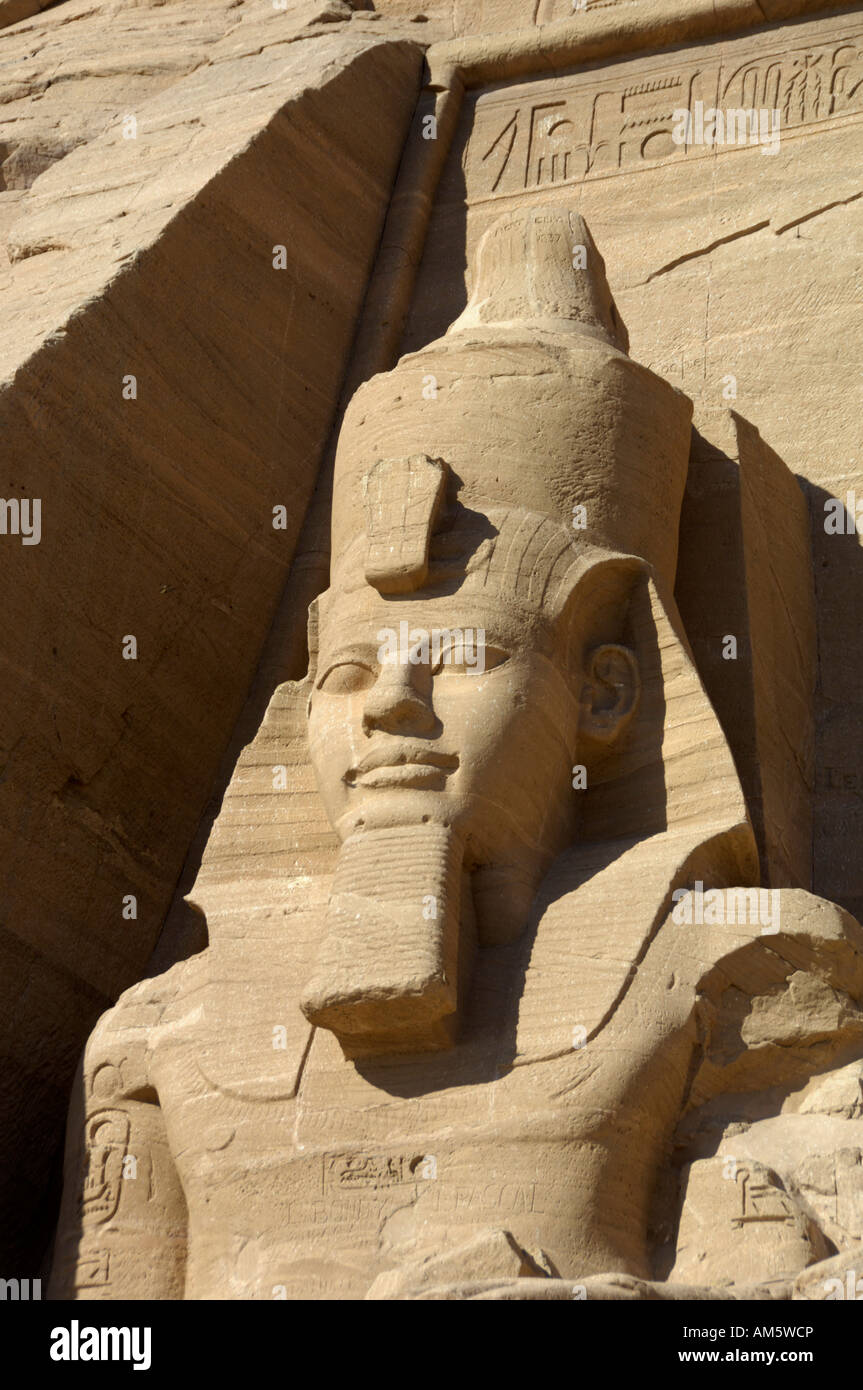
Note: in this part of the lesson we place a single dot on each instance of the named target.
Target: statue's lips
(408, 766)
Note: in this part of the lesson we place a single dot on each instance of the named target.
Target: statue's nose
(396, 702)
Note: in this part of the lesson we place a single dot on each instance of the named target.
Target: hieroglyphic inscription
(761, 1201)
(348, 1172)
(93, 1271)
(107, 1146)
(563, 131)
(345, 1207)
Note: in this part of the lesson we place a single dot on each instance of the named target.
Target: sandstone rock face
(470, 447)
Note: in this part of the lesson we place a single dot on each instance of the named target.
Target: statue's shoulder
(792, 914)
(806, 912)
(118, 1057)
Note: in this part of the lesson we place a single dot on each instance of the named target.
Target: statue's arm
(122, 1227)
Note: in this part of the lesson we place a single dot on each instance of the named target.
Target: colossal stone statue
(501, 1046)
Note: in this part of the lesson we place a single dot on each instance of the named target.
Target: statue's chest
(319, 1194)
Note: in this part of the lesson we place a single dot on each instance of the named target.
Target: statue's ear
(609, 693)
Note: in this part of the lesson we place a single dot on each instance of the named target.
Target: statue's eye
(469, 659)
(347, 677)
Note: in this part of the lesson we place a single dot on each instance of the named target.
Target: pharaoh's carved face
(445, 720)
(448, 710)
